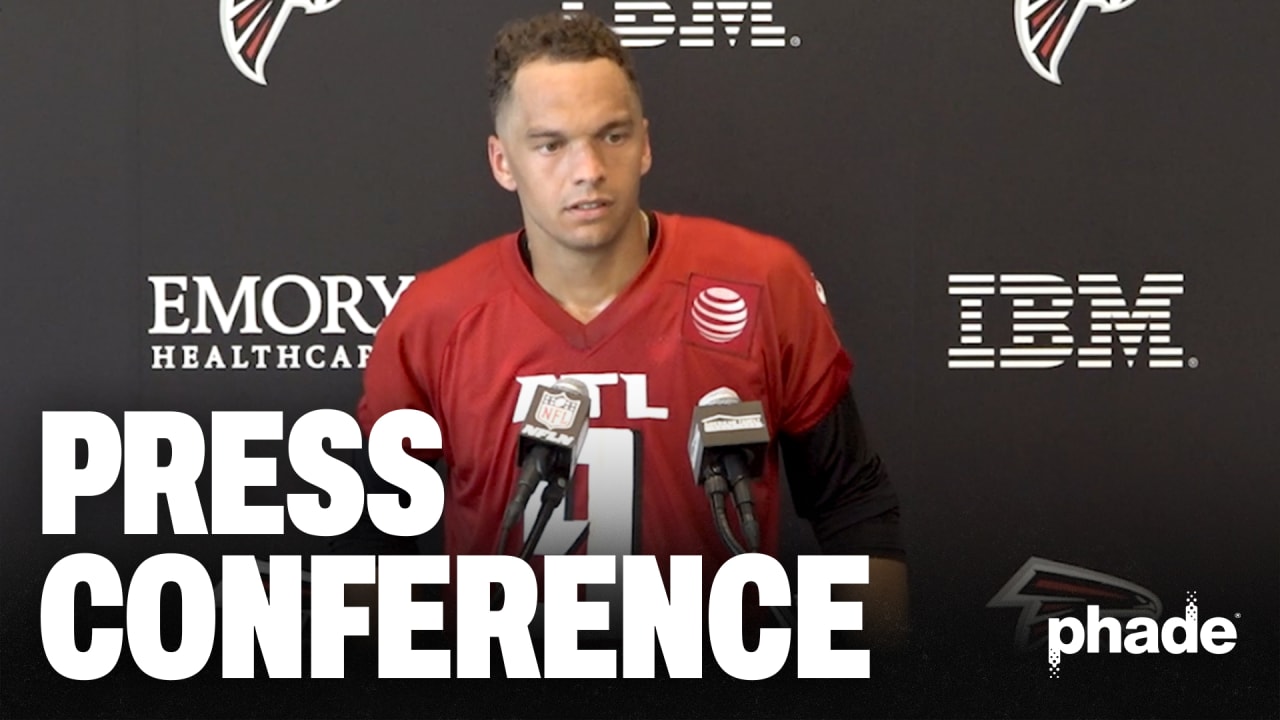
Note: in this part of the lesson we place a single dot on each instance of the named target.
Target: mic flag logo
(250, 29)
(557, 411)
(1046, 589)
(1045, 29)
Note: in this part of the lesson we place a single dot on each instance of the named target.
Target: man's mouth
(588, 205)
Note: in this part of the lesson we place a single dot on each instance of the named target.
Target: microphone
(550, 441)
(727, 440)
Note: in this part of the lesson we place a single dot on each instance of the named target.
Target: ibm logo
(651, 24)
(1041, 337)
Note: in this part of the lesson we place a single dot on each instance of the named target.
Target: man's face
(572, 142)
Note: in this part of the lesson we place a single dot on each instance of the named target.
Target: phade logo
(1053, 597)
(1045, 29)
(694, 24)
(1120, 323)
(250, 29)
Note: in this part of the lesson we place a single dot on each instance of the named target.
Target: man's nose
(588, 164)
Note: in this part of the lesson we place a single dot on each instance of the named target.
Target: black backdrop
(897, 143)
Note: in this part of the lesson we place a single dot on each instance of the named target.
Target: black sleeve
(365, 538)
(840, 486)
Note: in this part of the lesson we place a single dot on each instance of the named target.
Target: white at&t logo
(720, 314)
(1119, 323)
(651, 24)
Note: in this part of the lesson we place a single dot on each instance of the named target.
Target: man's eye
(615, 138)
(549, 147)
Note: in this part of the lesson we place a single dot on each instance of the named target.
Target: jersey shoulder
(714, 247)
(438, 298)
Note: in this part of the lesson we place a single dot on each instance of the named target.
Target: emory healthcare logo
(649, 24)
(252, 322)
(250, 29)
(1045, 29)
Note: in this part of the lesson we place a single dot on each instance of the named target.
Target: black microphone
(550, 440)
(727, 440)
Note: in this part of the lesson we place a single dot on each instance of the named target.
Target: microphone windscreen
(720, 396)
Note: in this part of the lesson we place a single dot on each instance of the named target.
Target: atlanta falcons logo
(250, 29)
(1046, 589)
(1045, 28)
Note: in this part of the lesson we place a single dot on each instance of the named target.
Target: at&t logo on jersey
(720, 314)
(250, 29)
(1045, 29)
(696, 24)
(1120, 325)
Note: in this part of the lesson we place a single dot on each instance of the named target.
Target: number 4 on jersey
(611, 458)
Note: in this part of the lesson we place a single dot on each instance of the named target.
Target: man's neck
(585, 283)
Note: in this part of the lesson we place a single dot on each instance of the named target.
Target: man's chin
(589, 239)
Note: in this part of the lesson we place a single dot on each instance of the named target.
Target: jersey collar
(634, 298)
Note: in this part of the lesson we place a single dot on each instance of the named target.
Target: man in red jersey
(651, 311)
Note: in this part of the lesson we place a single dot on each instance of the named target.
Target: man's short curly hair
(555, 36)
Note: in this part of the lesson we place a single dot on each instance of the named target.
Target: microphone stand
(716, 487)
(552, 496)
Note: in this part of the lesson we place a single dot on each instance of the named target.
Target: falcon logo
(250, 29)
(1045, 28)
(1045, 589)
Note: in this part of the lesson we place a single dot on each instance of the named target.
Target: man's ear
(500, 165)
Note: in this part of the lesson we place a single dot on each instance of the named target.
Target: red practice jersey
(714, 306)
